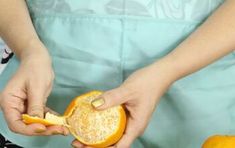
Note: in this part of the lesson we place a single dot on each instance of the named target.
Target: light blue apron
(98, 44)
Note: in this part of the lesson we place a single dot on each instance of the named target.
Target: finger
(36, 100)
(53, 130)
(66, 131)
(13, 101)
(50, 130)
(48, 91)
(131, 133)
(77, 144)
(112, 98)
(15, 123)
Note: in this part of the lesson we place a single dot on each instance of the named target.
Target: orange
(220, 142)
(89, 126)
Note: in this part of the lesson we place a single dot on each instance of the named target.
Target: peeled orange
(89, 126)
(220, 142)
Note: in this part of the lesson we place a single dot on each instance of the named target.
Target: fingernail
(40, 130)
(97, 102)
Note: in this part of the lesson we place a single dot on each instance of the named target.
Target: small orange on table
(90, 126)
(219, 141)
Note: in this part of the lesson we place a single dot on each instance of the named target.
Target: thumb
(36, 101)
(111, 98)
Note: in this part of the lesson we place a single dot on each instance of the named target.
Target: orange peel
(96, 128)
(220, 141)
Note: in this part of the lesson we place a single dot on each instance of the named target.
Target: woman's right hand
(27, 92)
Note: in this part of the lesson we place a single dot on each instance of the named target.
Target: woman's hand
(139, 94)
(27, 92)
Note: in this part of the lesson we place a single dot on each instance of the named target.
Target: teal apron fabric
(98, 44)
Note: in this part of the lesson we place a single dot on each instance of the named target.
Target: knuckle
(35, 110)
(106, 96)
(128, 92)
(113, 94)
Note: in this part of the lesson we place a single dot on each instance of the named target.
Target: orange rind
(219, 141)
(96, 128)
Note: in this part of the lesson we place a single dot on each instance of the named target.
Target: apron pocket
(82, 74)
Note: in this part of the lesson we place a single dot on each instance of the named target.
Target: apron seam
(122, 44)
(114, 18)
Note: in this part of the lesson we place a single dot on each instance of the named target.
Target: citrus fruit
(218, 141)
(97, 128)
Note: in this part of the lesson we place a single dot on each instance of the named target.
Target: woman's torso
(98, 44)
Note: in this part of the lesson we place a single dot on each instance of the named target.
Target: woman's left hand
(139, 94)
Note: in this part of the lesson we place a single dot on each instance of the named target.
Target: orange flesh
(89, 126)
(92, 126)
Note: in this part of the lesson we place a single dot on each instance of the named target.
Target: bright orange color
(89, 126)
(29, 119)
(220, 142)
